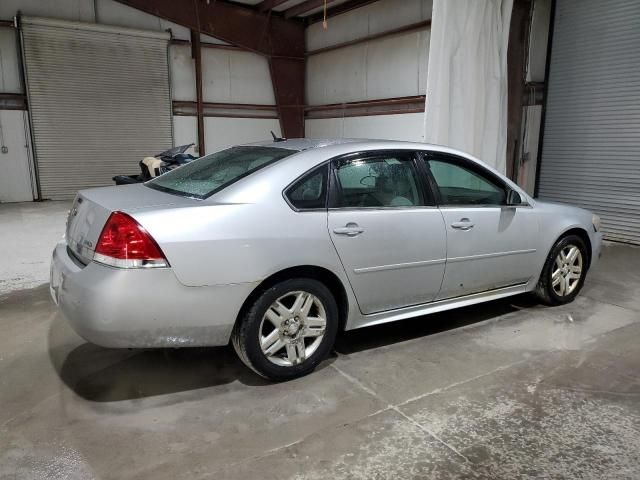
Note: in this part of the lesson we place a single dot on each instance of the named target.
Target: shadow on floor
(403, 330)
(108, 375)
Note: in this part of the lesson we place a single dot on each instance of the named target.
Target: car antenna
(277, 139)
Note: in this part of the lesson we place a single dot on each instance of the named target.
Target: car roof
(305, 144)
(301, 144)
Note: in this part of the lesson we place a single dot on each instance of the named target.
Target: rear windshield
(210, 174)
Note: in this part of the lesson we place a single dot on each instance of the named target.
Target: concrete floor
(504, 390)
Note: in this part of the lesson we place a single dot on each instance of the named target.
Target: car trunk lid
(91, 209)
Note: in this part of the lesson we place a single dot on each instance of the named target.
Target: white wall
(10, 79)
(538, 40)
(393, 66)
(224, 132)
(185, 130)
(15, 176)
(376, 17)
(408, 126)
(230, 76)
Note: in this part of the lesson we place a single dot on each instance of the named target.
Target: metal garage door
(591, 145)
(99, 101)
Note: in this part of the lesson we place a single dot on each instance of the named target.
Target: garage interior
(507, 389)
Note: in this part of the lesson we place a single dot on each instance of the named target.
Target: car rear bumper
(142, 308)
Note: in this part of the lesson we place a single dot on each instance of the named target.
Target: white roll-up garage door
(591, 144)
(99, 101)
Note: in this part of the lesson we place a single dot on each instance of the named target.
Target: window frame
(309, 173)
(467, 164)
(335, 195)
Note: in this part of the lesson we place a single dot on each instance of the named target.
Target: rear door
(489, 244)
(389, 235)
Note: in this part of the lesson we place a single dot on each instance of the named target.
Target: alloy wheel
(567, 270)
(292, 328)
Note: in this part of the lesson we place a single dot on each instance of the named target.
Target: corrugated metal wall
(591, 145)
(99, 100)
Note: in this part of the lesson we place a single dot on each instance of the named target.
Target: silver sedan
(278, 246)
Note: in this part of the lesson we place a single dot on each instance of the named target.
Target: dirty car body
(394, 229)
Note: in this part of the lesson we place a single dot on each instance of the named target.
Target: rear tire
(288, 330)
(564, 271)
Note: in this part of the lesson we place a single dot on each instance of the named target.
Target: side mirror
(513, 198)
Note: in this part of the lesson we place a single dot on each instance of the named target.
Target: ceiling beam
(338, 9)
(245, 27)
(267, 5)
(304, 7)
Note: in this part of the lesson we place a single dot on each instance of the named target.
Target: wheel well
(328, 278)
(582, 233)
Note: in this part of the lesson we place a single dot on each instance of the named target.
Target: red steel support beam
(196, 54)
(241, 26)
(281, 40)
(517, 55)
(288, 84)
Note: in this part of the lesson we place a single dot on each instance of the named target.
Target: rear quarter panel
(244, 234)
(226, 244)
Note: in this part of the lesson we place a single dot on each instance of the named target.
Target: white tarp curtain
(466, 106)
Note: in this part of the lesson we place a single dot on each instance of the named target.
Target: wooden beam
(338, 10)
(396, 31)
(267, 5)
(304, 7)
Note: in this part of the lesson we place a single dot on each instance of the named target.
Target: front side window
(210, 174)
(459, 185)
(310, 192)
(381, 181)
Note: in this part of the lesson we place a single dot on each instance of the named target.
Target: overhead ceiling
(292, 8)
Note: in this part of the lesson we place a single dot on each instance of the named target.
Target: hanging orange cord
(324, 20)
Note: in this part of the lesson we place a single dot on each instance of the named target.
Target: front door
(489, 244)
(389, 236)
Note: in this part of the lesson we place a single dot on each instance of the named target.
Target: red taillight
(124, 243)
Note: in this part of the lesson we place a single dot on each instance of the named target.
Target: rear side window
(379, 181)
(310, 192)
(210, 174)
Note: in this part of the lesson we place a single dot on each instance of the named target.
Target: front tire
(288, 330)
(564, 271)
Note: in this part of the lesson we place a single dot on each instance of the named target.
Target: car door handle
(350, 230)
(463, 224)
